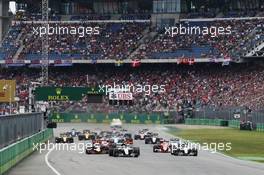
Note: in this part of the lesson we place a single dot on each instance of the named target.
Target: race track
(149, 163)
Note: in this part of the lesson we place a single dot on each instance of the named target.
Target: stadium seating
(120, 40)
(200, 85)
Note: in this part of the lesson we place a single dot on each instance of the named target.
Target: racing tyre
(110, 152)
(147, 141)
(92, 137)
(57, 140)
(136, 152)
(175, 153)
(115, 153)
(80, 137)
(195, 153)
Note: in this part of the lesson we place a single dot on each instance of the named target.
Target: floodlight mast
(45, 43)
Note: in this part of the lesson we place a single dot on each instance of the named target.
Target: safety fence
(219, 122)
(16, 127)
(154, 118)
(230, 114)
(12, 154)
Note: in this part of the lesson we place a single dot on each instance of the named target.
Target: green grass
(244, 144)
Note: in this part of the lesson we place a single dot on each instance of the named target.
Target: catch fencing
(16, 127)
(230, 114)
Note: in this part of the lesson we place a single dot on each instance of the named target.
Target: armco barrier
(107, 118)
(12, 154)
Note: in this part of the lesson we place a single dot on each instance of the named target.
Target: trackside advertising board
(154, 118)
(7, 90)
(120, 96)
(64, 93)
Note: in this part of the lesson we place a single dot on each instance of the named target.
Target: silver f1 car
(142, 134)
(124, 151)
(183, 149)
(152, 139)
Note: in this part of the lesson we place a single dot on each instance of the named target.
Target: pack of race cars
(119, 142)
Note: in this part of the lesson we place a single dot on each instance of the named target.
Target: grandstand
(132, 31)
(141, 61)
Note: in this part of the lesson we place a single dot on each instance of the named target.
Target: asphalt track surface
(148, 163)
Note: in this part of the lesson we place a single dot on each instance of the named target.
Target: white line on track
(49, 165)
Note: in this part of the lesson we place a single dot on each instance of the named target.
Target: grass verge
(245, 144)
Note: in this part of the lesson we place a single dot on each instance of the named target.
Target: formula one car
(183, 149)
(116, 123)
(124, 151)
(116, 142)
(128, 138)
(64, 138)
(152, 139)
(141, 135)
(73, 133)
(163, 147)
(123, 130)
(96, 148)
(86, 135)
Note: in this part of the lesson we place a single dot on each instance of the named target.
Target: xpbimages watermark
(79, 31)
(42, 147)
(81, 147)
(212, 31)
(213, 147)
(147, 89)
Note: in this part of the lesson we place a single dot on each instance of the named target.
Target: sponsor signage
(237, 115)
(64, 93)
(7, 90)
(120, 96)
(107, 118)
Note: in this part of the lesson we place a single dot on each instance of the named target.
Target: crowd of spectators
(10, 45)
(237, 85)
(201, 85)
(114, 41)
(120, 40)
(219, 46)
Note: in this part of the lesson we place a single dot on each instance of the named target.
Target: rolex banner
(7, 90)
(65, 93)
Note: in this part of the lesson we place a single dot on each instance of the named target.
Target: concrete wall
(14, 153)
